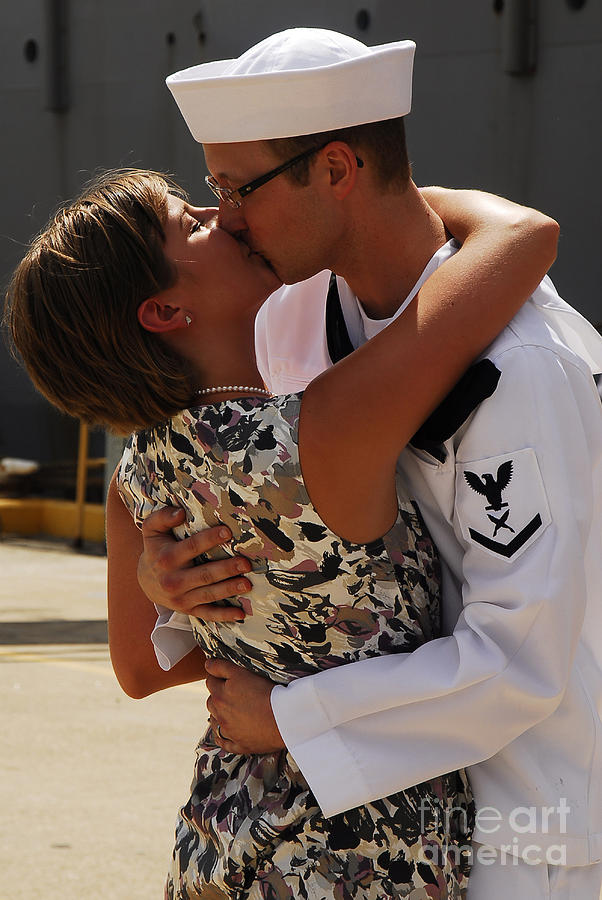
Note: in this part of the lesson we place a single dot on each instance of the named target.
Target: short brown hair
(382, 144)
(71, 306)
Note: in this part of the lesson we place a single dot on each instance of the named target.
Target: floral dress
(252, 829)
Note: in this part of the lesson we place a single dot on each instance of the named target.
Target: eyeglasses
(234, 197)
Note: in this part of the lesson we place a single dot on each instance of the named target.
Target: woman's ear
(158, 316)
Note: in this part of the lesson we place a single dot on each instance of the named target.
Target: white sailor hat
(300, 81)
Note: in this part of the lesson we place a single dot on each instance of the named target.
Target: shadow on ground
(55, 631)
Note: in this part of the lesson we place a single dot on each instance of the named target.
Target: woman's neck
(226, 358)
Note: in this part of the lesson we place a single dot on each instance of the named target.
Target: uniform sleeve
(363, 731)
(172, 637)
(261, 344)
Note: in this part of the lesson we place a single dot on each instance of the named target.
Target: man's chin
(284, 274)
(293, 273)
(268, 265)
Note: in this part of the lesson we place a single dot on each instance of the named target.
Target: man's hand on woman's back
(168, 576)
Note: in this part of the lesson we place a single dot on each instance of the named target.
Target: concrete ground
(90, 780)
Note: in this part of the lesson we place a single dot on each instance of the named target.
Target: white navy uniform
(508, 476)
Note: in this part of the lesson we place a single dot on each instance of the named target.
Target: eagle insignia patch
(501, 503)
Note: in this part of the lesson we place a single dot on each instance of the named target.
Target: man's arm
(390, 722)
(362, 731)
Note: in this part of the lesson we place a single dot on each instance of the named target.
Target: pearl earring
(188, 320)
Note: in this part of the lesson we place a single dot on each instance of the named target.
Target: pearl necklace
(231, 388)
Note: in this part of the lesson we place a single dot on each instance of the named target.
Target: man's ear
(158, 316)
(343, 165)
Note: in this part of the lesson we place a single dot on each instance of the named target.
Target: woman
(133, 309)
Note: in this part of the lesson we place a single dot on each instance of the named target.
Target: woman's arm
(132, 616)
(468, 213)
(357, 416)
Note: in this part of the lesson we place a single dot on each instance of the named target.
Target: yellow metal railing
(84, 464)
(73, 520)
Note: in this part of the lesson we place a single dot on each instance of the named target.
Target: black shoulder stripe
(337, 336)
(477, 383)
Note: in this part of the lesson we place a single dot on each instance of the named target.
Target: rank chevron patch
(501, 503)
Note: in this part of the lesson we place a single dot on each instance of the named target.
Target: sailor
(507, 474)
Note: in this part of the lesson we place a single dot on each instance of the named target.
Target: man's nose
(231, 219)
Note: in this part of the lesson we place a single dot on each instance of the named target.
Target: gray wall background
(82, 88)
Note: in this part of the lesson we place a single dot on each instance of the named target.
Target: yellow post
(80, 484)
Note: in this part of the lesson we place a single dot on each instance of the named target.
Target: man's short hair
(382, 145)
